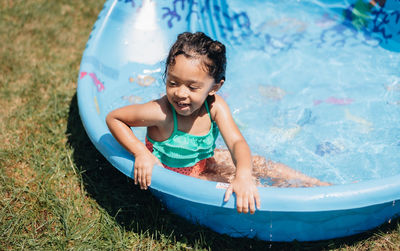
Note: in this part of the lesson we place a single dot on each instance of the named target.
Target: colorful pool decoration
(314, 85)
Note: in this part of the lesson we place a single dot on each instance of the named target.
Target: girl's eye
(191, 87)
(172, 83)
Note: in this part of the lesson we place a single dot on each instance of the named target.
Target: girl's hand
(144, 164)
(246, 194)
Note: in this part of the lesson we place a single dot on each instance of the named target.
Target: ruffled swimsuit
(183, 152)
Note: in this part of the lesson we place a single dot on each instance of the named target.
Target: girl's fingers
(252, 205)
(142, 175)
(139, 177)
(258, 200)
(239, 204)
(135, 175)
(148, 178)
(143, 179)
(228, 193)
(245, 204)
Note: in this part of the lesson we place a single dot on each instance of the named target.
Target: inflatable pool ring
(123, 64)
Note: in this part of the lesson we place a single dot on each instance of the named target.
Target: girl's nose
(182, 92)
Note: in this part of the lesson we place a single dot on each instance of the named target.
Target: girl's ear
(216, 87)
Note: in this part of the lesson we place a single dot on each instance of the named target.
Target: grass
(56, 191)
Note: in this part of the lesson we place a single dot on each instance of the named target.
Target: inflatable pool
(312, 84)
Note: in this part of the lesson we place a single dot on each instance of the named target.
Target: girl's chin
(184, 112)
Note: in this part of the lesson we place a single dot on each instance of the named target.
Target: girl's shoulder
(218, 106)
(163, 123)
(161, 108)
(161, 103)
(152, 113)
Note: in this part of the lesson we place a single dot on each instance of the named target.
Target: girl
(183, 125)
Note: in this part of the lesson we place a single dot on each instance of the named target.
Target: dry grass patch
(22, 175)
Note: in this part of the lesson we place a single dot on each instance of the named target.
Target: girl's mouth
(182, 105)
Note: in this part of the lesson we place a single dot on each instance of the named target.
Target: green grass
(56, 191)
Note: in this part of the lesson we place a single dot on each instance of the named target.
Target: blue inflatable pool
(312, 84)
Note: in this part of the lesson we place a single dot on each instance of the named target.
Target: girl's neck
(192, 117)
(196, 123)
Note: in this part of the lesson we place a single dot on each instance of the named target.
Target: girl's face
(189, 84)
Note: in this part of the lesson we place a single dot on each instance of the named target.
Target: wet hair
(199, 45)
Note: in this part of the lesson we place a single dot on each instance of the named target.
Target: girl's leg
(281, 175)
(222, 169)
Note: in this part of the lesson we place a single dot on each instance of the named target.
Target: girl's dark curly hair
(197, 45)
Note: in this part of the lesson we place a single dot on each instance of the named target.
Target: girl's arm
(243, 185)
(119, 122)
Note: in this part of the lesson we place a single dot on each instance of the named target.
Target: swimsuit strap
(175, 119)
(208, 110)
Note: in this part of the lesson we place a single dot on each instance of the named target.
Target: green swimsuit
(182, 149)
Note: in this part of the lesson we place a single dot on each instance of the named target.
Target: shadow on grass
(139, 211)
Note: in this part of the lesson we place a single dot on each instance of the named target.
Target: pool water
(317, 94)
(306, 86)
